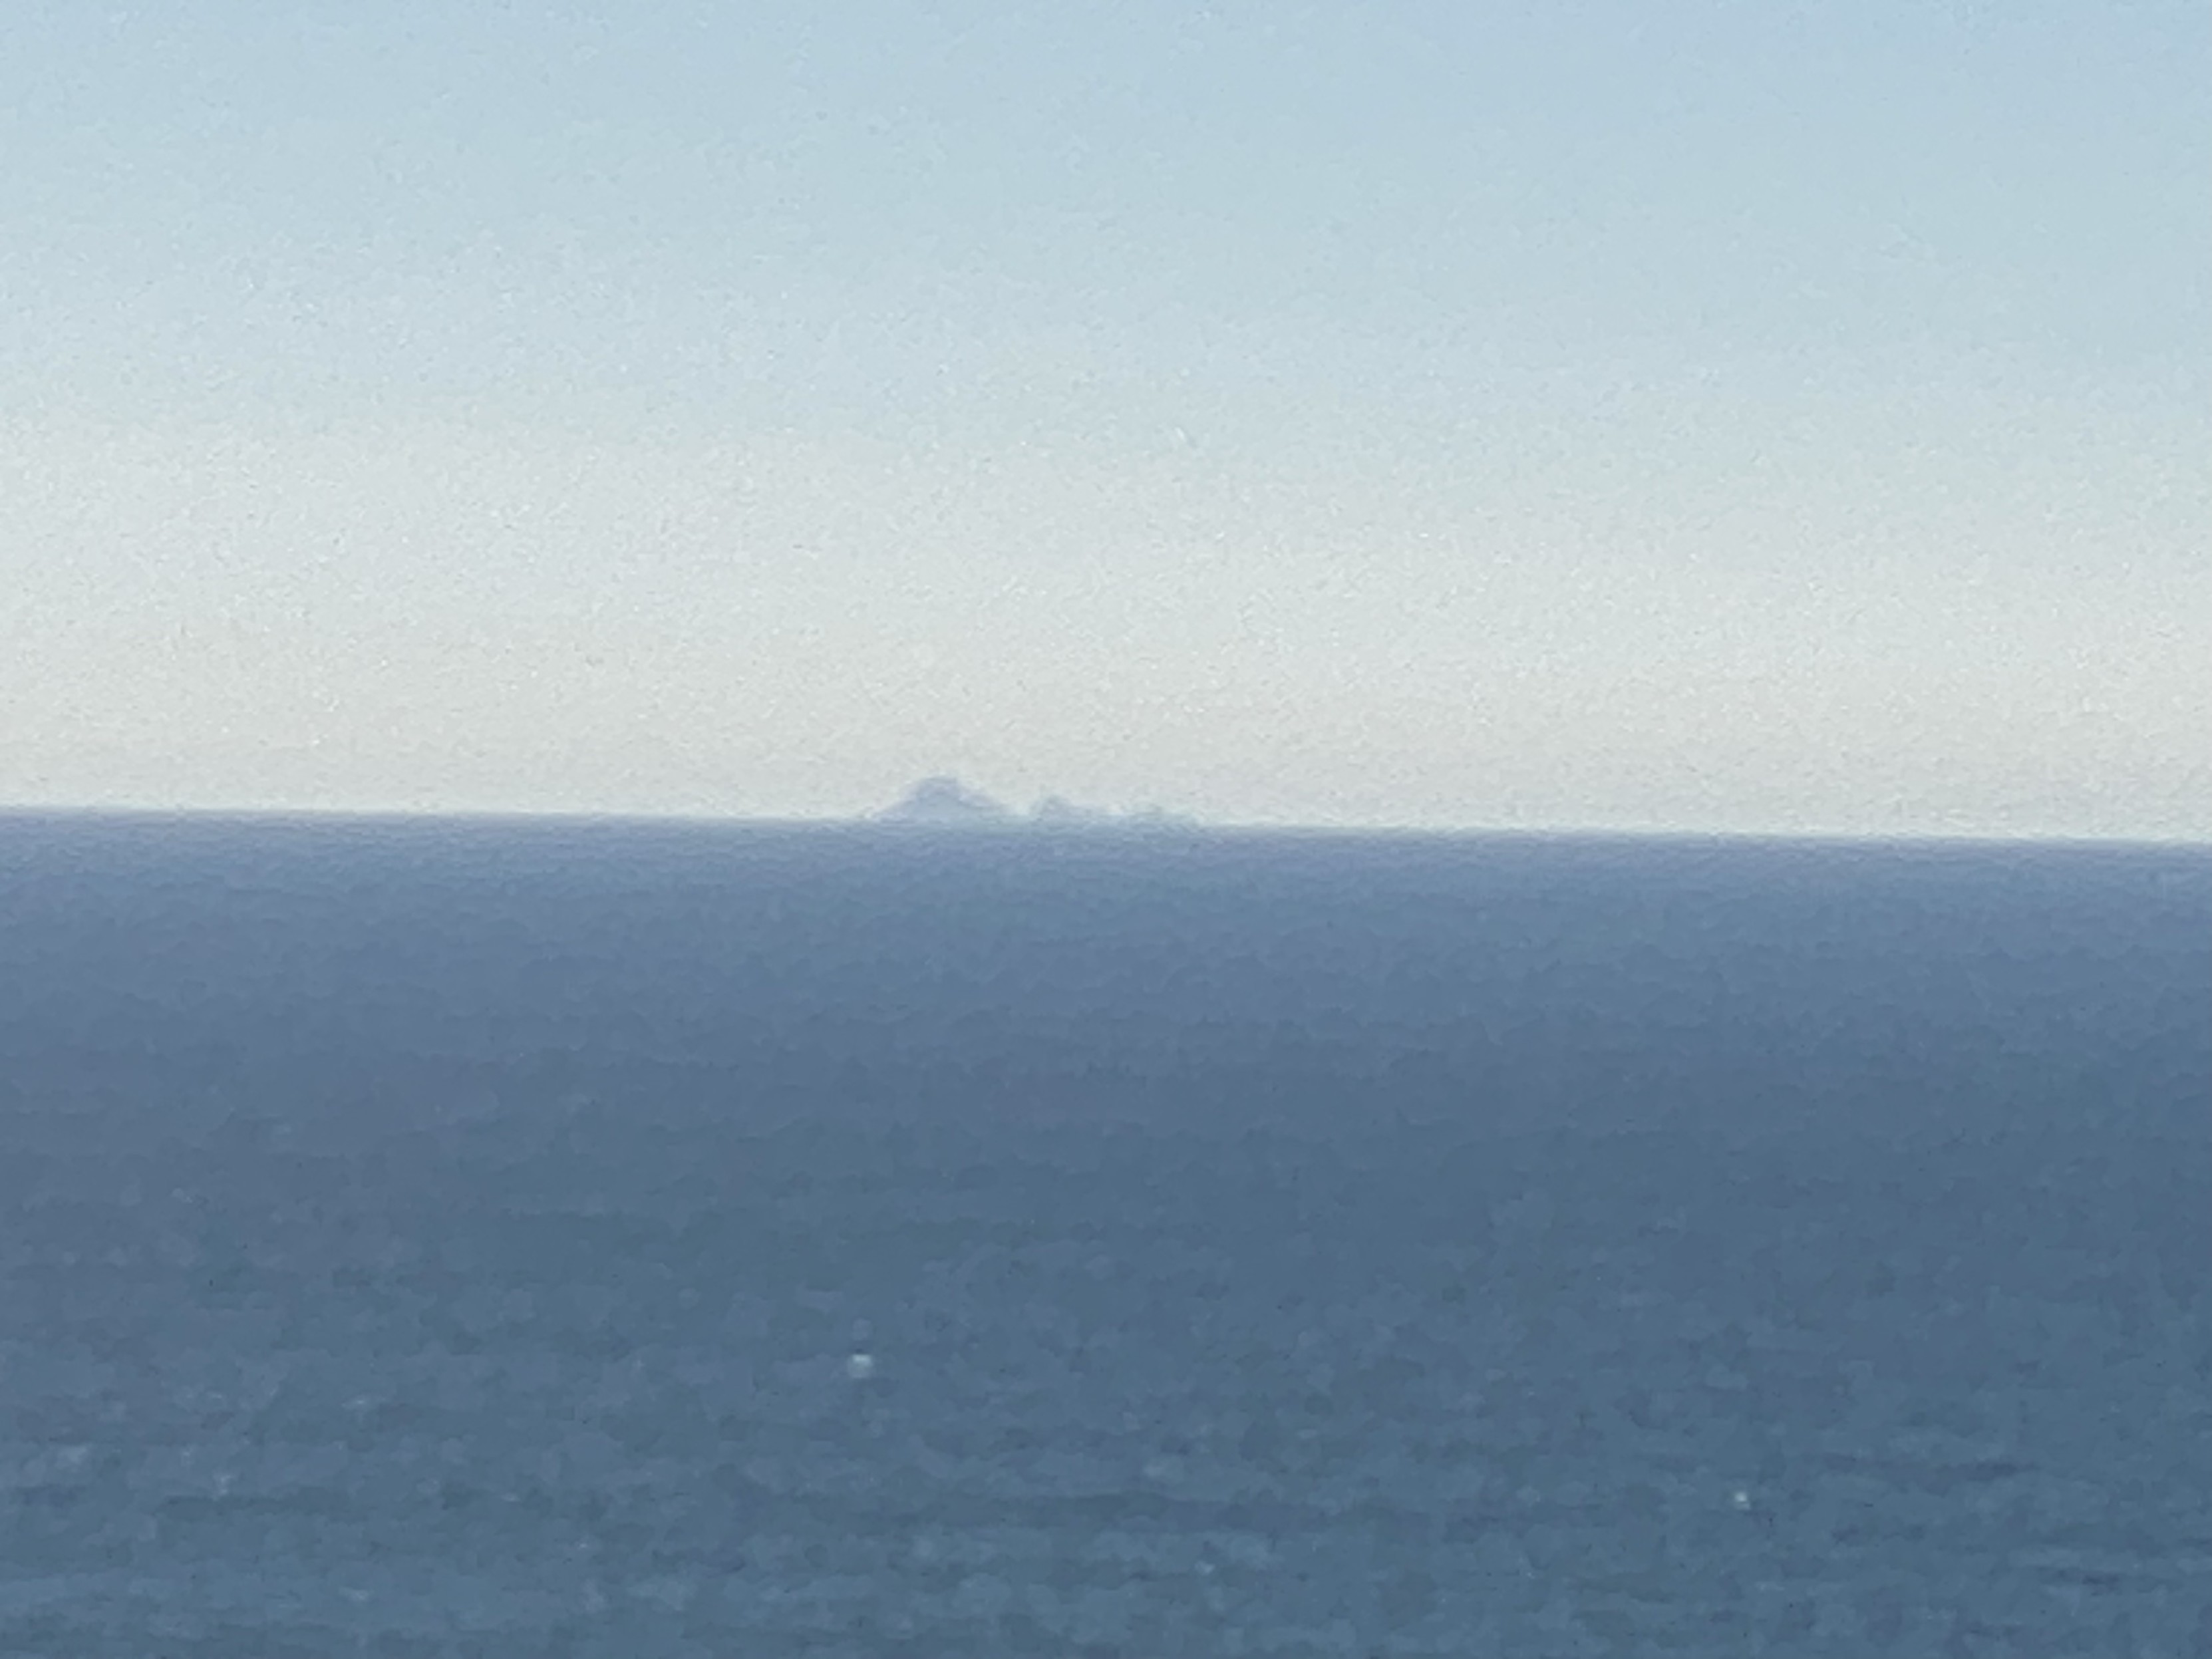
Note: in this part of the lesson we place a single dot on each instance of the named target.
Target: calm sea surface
(476, 1238)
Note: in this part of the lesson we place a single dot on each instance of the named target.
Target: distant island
(946, 802)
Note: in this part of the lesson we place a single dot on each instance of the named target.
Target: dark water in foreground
(611, 1240)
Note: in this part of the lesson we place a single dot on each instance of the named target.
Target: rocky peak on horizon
(944, 799)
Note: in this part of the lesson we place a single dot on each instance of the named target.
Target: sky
(1729, 417)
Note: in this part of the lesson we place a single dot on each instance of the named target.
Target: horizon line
(1178, 825)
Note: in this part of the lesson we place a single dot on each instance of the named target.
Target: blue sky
(1689, 416)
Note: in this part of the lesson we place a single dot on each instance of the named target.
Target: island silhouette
(944, 801)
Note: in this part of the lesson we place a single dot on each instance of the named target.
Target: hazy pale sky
(1720, 416)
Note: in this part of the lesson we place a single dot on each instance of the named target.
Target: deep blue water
(501, 1239)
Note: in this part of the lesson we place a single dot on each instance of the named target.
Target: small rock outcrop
(946, 800)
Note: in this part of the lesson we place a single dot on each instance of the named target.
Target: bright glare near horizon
(1670, 416)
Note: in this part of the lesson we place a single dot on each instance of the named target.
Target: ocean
(580, 1238)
